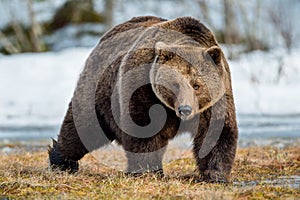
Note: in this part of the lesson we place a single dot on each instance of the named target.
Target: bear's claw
(57, 162)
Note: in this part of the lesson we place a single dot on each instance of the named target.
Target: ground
(258, 173)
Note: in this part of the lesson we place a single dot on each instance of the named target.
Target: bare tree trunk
(282, 24)
(8, 46)
(253, 41)
(204, 11)
(108, 13)
(91, 4)
(231, 32)
(35, 31)
(22, 42)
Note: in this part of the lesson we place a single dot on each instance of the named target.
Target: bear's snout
(184, 110)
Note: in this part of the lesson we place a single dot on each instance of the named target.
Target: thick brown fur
(184, 66)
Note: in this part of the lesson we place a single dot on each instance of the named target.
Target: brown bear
(147, 81)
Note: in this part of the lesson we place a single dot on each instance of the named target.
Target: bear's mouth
(185, 118)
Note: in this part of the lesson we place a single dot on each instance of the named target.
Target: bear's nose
(185, 110)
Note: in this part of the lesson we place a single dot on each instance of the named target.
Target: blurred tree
(28, 35)
(108, 13)
(7, 45)
(75, 12)
(280, 19)
(205, 12)
(231, 32)
(35, 29)
(18, 37)
(254, 37)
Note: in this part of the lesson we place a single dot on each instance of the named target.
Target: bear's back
(134, 23)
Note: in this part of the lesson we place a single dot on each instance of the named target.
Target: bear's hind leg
(70, 147)
(65, 153)
(58, 161)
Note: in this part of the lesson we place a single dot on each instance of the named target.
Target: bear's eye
(196, 87)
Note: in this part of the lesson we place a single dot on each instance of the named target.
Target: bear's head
(188, 78)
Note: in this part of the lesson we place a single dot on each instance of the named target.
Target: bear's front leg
(144, 154)
(215, 164)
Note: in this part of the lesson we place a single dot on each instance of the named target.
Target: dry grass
(26, 175)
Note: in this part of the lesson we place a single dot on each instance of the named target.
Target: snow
(85, 35)
(258, 86)
(36, 88)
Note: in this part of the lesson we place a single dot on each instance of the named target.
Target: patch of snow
(36, 88)
(267, 82)
(85, 35)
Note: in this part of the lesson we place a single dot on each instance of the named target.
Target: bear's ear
(215, 54)
(163, 51)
